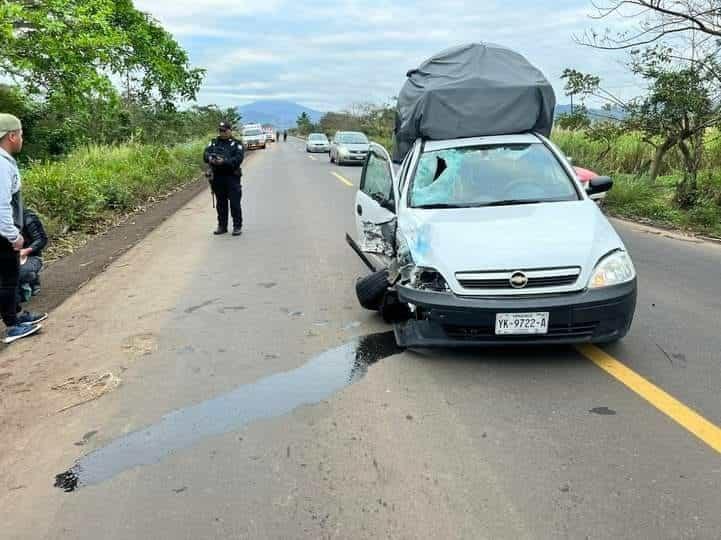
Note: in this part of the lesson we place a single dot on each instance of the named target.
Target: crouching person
(31, 262)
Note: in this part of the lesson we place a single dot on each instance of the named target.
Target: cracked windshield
(360, 270)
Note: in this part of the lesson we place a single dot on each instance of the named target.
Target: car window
(316, 137)
(486, 175)
(252, 132)
(352, 138)
(377, 181)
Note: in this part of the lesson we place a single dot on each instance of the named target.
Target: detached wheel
(371, 290)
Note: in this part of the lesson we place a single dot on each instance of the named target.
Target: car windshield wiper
(512, 202)
(432, 206)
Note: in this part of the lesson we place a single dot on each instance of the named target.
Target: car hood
(355, 147)
(523, 237)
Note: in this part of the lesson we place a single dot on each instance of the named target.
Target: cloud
(333, 55)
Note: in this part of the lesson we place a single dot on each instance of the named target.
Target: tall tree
(304, 124)
(76, 47)
(681, 103)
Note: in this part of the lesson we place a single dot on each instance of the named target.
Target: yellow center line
(343, 179)
(664, 402)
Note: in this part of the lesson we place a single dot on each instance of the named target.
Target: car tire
(371, 289)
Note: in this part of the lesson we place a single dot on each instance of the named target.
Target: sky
(330, 54)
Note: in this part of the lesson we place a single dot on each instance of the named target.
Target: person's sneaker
(220, 230)
(237, 231)
(20, 331)
(30, 317)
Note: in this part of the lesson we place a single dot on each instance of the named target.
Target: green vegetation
(627, 159)
(95, 184)
(103, 134)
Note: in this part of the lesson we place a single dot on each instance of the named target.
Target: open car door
(375, 209)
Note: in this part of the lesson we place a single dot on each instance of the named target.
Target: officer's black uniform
(226, 180)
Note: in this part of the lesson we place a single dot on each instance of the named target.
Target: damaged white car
(490, 240)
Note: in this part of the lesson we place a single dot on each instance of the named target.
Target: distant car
(349, 147)
(585, 176)
(252, 138)
(317, 142)
(270, 135)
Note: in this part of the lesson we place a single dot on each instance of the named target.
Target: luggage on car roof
(473, 90)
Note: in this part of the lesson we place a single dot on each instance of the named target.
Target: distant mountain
(280, 114)
(593, 113)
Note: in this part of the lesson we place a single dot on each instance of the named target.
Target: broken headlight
(427, 279)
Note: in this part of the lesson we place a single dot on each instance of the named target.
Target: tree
(304, 124)
(75, 47)
(574, 120)
(655, 21)
(678, 108)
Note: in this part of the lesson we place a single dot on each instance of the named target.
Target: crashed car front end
(444, 319)
(552, 305)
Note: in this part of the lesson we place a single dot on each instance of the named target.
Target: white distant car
(269, 135)
(253, 137)
(317, 142)
(491, 240)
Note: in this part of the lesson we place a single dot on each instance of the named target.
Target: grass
(633, 196)
(95, 184)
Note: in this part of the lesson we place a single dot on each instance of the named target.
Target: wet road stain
(267, 284)
(278, 394)
(604, 411)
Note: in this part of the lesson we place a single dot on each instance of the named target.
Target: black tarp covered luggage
(473, 90)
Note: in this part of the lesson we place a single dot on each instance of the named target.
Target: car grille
(488, 333)
(501, 280)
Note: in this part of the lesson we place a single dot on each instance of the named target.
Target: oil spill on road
(278, 394)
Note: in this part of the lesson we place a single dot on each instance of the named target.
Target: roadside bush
(635, 197)
(92, 183)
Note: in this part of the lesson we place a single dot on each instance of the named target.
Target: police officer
(224, 154)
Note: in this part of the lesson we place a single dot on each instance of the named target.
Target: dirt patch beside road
(63, 277)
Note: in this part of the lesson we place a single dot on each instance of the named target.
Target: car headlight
(613, 269)
(343, 150)
(427, 279)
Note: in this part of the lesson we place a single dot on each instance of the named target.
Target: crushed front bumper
(443, 320)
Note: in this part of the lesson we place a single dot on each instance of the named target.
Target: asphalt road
(252, 406)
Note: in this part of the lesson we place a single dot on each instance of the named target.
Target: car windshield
(317, 137)
(352, 138)
(252, 132)
(490, 175)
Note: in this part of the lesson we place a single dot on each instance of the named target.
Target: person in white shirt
(19, 325)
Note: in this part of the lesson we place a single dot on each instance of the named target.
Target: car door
(375, 208)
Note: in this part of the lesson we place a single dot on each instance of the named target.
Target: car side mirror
(599, 184)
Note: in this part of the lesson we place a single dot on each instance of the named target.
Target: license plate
(521, 323)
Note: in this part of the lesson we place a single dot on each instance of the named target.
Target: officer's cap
(223, 126)
(9, 123)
